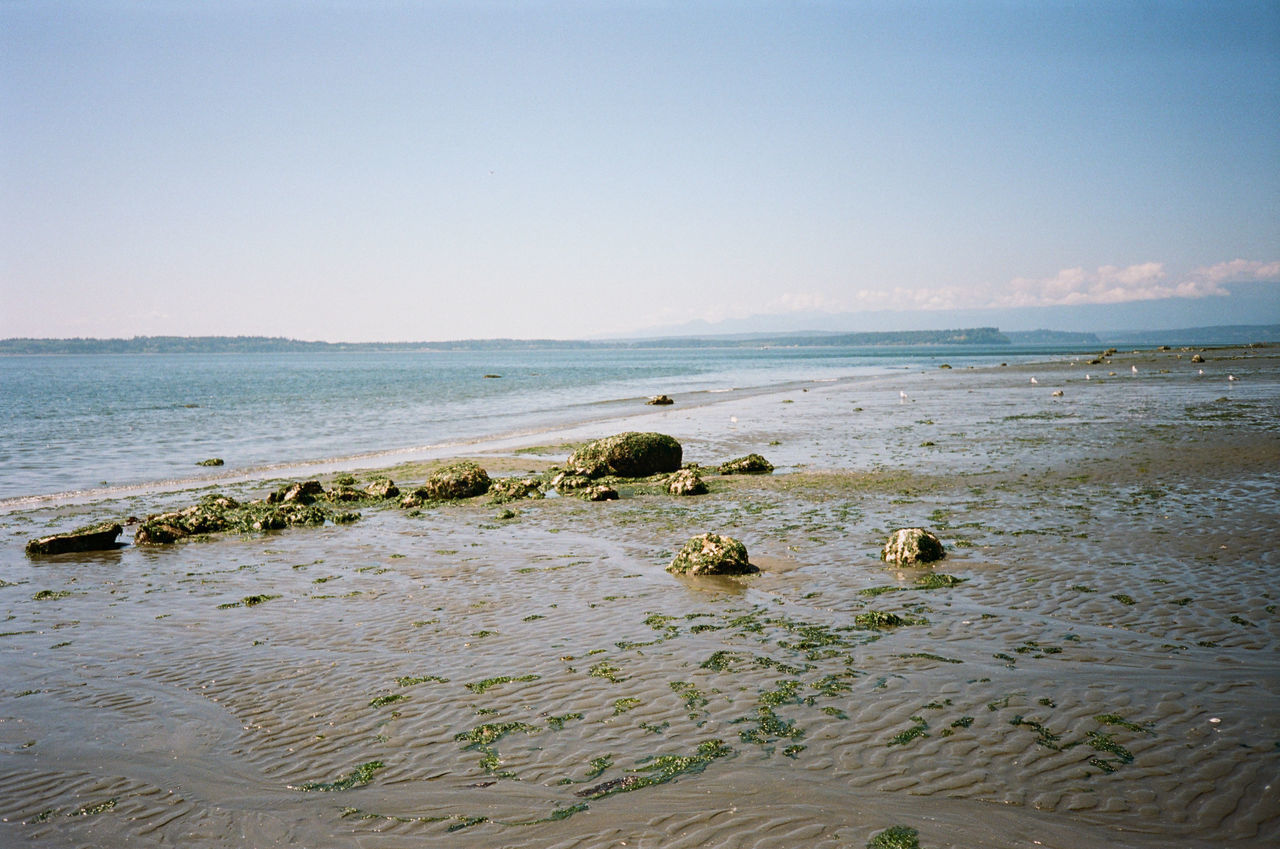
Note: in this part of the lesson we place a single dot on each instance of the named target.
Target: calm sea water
(76, 423)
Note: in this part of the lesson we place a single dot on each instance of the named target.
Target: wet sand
(1102, 672)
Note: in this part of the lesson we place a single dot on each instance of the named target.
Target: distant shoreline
(1217, 335)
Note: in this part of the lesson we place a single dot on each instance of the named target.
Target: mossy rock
(660, 401)
(712, 554)
(212, 461)
(752, 464)
(686, 482)
(628, 455)
(99, 537)
(304, 492)
(382, 488)
(600, 493)
(911, 547)
(503, 490)
(463, 479)
(568, 481)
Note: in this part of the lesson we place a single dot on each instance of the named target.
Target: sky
(401, 171)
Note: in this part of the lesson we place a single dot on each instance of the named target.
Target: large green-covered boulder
(463, 479)
(628, 455)
(712, 554)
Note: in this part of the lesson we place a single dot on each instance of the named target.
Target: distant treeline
(268, 345)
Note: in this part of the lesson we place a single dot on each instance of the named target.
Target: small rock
(752, 464)
(305, 492)
(463, 479)
(600, 493)
(212, 461)
(660, 401)
(911, 546)
(568, 481)
(686, 482)
(382, 488)
(712, 554)
(1057, 393)
(513, 489)
(1198, 358)
(100, 537)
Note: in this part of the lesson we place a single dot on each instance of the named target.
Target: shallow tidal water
(1094, 664)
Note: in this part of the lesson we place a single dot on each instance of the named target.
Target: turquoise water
(75, 423)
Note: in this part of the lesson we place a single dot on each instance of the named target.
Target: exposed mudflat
(1094, 664)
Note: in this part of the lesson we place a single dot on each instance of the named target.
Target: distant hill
(1051, 337)
(1224, 334)
(267, 345)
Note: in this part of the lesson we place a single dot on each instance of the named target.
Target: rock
(660, 401)
(912, 546)
(217, 513)
(752, 464)
(305, 492)
(568, 481)
(100, 537)
(686, 482)
(492, 376)
(628, 455)
(382, 488)
(945, 365)
(712, 554)
(600, 493)
(513, 489)
(344, 492)
(1057, 393)
(1198, 358)
(212, 461)
(463, 479)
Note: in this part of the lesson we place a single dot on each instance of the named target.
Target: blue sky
(433, 170)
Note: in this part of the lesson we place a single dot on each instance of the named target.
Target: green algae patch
(422, 679)
(920, 729)
(937, 581)
(557, 723)
(46, 595)
(247, 601)
(661, 769)
(484, 735)
(625, 704)
(358, 777)
(479, 687)
(879, 620)
(383, 701)
(91, 810)
(896, 837)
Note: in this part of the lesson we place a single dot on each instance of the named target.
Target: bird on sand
(1232, 377)
(1033, 380)
(1133, 369)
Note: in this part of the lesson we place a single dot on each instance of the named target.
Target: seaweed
(661, 769)
(895, 837)
(479, 687)
(382, 701)
(358, 777)
(920, 729)
(483, 735)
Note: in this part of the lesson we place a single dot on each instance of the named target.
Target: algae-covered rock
(99, 537)
(463, 479)
(912, 546)
(752, 464)
(212, 461)
(345, 492)
(215, 513)
(712, 554)
(502, 490)
(382, 488)
(628, 455)
(600, 493)
(686, 482)
(660, 401)
(568, 481)
(304, 492)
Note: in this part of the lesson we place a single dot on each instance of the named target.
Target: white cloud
(1238, 270)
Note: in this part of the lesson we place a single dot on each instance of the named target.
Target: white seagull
(1033, 380)
(1133, 369)
(1232, 377)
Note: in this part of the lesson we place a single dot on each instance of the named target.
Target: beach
(1093, 664)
